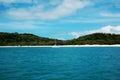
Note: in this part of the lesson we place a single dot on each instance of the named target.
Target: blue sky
(61, 19)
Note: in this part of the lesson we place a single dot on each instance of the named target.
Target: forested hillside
(96, 38)
(15, 39)
(25, 39)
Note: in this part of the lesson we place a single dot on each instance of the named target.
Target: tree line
(17, 39)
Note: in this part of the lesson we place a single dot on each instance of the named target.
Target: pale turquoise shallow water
(80, 63)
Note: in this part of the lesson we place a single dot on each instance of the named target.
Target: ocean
(63, 63)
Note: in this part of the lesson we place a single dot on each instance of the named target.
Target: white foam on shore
(117, 45)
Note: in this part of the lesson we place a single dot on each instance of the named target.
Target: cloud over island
(105, 29)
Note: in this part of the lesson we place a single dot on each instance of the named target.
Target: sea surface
(64, 63)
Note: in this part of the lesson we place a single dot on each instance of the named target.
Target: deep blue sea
(66, 63)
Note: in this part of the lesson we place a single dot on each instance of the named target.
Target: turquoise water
(80, 63)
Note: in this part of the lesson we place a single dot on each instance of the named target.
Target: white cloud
(55, 2)
(75, 34)
(25, 13)
(106, 29)
(19, 14)
(66, 8)
(104, 20)
(18, 26)
(15, 1)
(7, 1)
(110, 14)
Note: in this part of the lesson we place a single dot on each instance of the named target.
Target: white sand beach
(116, 45)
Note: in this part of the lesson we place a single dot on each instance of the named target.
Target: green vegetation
(96, 38)
(15, 39)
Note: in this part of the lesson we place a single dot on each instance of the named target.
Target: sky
(61, 19)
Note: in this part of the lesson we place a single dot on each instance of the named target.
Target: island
(27, 39)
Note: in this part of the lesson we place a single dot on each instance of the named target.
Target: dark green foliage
(24, 39)
(96, 38)
(12, 39)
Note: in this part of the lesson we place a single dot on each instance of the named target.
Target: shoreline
(116, 45)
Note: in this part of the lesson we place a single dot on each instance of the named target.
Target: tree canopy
(15, 39)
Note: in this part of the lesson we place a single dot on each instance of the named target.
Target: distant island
(26, 39)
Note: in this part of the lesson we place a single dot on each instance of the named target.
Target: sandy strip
(117, 45)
